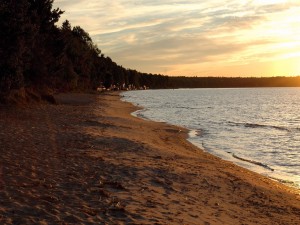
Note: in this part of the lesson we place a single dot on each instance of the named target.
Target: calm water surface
(256, 128)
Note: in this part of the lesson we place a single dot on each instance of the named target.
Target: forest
(38, 56)
(233, 82)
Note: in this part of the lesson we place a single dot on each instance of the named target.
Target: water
(256, 128)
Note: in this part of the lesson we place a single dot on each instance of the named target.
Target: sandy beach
(86, 160)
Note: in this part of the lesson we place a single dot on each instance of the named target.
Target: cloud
(156, 35)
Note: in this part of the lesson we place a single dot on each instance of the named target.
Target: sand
(87, 161)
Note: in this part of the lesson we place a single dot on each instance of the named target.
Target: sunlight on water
(256, 128)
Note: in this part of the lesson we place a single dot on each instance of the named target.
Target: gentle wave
(196, 133)
(253, 162)
(184, 107)
(287, 182)
(140, 114)
(256, 125)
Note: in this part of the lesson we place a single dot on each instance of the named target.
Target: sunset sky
(192, 37)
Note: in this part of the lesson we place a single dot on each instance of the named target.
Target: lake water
(257, 128)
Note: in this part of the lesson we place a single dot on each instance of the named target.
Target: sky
(192, 37)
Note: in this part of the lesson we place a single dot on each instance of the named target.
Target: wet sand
(87, 161)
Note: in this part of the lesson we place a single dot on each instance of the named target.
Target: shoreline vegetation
(87, 160)
(39, 59)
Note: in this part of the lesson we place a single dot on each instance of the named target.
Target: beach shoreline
(88, 160)
(199, 135)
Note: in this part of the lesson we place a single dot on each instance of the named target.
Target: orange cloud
(173, 37)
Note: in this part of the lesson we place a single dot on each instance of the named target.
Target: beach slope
(88, 161)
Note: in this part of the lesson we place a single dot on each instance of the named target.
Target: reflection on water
(257, 128)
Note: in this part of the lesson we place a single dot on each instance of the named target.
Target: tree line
(36, 54)
(233, 82)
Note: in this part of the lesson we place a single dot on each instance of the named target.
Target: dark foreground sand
(87, 161)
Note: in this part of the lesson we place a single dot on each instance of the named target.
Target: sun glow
(237, 38)
(268, 2)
